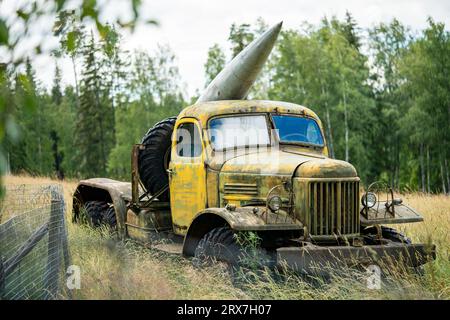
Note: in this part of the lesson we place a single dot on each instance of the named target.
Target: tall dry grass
(112, 269)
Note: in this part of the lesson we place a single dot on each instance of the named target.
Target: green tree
(240, 36)
(387, 44)
(152, 93)
(214, 63)
(56, 89)
(94, 128)
(426, 82)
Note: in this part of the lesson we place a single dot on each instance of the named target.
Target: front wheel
(387, 233)
(219, 244)
(244, 262)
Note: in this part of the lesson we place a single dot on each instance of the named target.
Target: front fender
(239, 219)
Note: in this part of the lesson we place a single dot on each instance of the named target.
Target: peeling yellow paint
(187, 179)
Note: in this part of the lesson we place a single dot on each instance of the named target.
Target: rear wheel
(100, 213)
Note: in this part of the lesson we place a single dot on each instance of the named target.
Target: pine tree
(94, 133)
(56, 89)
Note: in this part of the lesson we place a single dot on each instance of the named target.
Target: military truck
(224, 167)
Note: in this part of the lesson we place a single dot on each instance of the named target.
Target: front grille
(334, 208)
(240, 188)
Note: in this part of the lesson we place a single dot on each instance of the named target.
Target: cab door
(187, 174)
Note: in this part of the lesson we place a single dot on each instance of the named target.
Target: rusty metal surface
(123, 188)
(118, 192)
(314, 259)
(403, 214)
(326, 168)
(254, 219)
(387, 209)
(206, 110)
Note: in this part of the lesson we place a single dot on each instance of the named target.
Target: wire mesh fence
(33, 242)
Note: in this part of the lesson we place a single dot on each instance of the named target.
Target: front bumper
(312, 259)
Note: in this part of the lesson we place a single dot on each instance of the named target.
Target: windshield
(239, 131)
(294, 129)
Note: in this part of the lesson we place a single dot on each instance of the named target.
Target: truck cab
(235, 152)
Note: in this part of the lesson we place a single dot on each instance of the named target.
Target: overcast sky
(190, 27)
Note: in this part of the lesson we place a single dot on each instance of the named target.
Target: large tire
(387, 233)
(154, 159)
(218, 244)
(100, 213)
(242, 265)
(394, 235)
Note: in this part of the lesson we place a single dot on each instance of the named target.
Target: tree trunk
(327, 114)
(397, 163)
(447, 175)
(428, 170)
(422, 169)
(330, 136)
(444, 189)
(77, 89)
(344, 98)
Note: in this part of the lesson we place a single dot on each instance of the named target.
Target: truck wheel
(242, 263)
(100, 213)
(217, 245)
(387, 233)
(154, 160)
(394, 235)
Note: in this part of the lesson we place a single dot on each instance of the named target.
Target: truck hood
(278, 162)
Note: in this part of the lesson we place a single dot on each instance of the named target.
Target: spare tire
(154, 160)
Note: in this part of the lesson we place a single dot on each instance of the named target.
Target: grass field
(112, 269)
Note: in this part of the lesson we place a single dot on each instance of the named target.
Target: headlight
(274, 203)
(369, 199)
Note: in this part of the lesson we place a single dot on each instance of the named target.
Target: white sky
(190, 27)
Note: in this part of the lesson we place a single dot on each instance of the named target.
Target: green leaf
(89, 9)
(60, 4)
(4, 32)
(25, 16)
(152, 21)
(136, 4)
(71, 41)
(102, 29)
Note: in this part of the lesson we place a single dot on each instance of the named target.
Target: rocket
(237, 77)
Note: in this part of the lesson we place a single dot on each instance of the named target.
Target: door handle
(171, 172)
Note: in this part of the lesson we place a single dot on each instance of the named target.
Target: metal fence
(33, 242)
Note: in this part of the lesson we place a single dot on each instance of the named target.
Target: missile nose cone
(279, 25)
(235, 80)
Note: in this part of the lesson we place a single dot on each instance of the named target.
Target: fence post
(54, 242)
(65, 243)
(2, 278)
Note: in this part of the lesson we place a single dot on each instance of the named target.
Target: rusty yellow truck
(226, 165)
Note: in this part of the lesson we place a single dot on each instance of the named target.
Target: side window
(189, 143)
